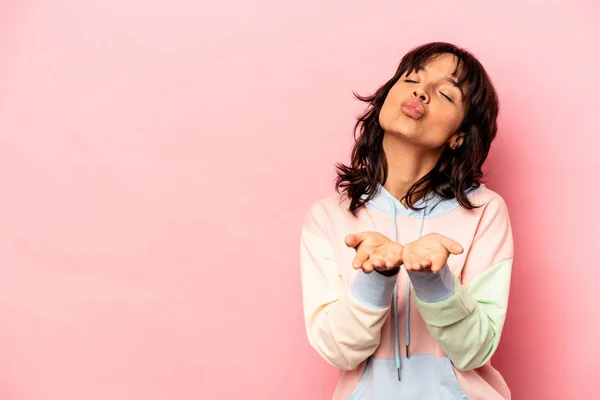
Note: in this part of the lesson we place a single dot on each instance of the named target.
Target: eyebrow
(447, 79)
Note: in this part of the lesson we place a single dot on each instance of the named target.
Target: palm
(374, 251)
(430, 251)
(373, 241)
(430, 247)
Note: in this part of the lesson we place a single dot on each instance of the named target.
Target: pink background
(156, 159)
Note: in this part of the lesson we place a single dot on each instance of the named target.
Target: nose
(421, 94)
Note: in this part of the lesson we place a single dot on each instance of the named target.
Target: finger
(406, 261)
(393, 262)
(392, 257)
(415, 259)
(418, 263)
(376, 261)
(452, 246)
(359, 259)
(367, 267)
(396, 256)
(412, 262)
(437, 262)
(386, 259)
(353, 240)
(409, 262)
(425, 263)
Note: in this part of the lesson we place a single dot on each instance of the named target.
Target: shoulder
(322, 212)
(329, 205)
(493, 217)
(492, 239)
(488, 200)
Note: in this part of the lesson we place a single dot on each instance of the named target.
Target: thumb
(354, 240)
(452, 246)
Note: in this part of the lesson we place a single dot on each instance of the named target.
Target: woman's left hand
(431, 251)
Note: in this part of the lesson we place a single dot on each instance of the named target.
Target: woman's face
(426, 106)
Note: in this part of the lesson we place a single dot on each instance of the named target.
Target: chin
(404, 129)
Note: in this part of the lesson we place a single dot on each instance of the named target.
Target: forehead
(443, 64)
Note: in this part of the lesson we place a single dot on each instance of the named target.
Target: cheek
(387, 114)
(391, 108)
(446, 121)
(441, 125)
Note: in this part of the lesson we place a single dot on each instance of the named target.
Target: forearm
(467, 326)
(348, 331)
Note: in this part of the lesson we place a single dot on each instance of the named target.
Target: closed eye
(411, 81)
(449, 99)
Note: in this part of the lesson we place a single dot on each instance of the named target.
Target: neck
(406, 164)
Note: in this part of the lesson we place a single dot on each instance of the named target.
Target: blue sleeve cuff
(432, 287)
(373, 290)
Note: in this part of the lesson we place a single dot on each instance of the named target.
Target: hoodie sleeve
(466, 316)
(343, 325)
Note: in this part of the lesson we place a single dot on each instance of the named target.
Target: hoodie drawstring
(395, 300)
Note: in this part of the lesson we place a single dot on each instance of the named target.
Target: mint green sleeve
(468, 324)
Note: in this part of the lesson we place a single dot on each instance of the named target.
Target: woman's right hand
(374, 251)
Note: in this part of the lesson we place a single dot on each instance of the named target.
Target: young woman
(412, 197)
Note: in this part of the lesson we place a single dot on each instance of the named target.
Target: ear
(456, 140)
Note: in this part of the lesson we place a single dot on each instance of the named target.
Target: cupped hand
(431, 252)
(374, 251)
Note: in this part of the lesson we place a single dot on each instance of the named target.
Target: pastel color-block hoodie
(415, 335)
